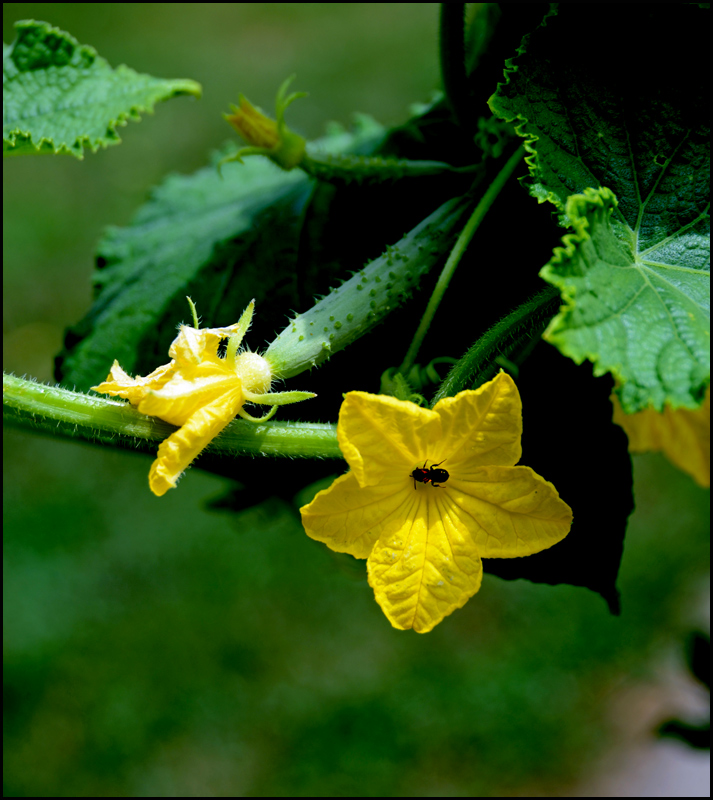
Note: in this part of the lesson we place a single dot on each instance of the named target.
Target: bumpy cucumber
(352, 309)
(346, 168)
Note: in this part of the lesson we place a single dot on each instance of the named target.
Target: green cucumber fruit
(354, 308)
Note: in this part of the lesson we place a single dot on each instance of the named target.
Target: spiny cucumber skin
(352, 309)
(345, 168)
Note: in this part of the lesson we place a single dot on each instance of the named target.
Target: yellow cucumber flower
(423, 529)
(682, 434)
(268, 137)
(198, 391)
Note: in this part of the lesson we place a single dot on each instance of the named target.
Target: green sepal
(278, 398)
(394, 384)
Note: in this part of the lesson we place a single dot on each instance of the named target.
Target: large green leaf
(641, 314)
(621, 103)
(59, 95)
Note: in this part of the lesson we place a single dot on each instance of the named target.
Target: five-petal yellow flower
(200, 392)
(424, 545)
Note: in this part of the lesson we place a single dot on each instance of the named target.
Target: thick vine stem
(61, 412)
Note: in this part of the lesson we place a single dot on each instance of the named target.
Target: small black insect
(431, 475)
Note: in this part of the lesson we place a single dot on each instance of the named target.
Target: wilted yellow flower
(200, 392)
(682, 434)
(268, 137)
(424, 542)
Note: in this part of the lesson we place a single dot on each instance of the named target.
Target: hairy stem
(511, 336)
(60, 412)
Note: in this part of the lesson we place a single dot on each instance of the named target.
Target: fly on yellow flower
(200, 392)
(682, 434)
(424, 542)
(268, 137)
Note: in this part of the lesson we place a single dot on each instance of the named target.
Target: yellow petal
(510, 511)
(256, 128)
(350, 519)
(120, 384)
(181, 447)
(193, 345)
(182, 396)
(426, 567)
(383, 438)
(683, 435)
(482, 427)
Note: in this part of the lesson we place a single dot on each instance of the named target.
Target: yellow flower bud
(265, 136)
(257, 129)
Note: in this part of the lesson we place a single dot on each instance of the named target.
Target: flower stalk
(509, 338)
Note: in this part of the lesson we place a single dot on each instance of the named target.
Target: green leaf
(59, 95)
(623, 106)
(221, 240)
(188, 239)
(641, 314)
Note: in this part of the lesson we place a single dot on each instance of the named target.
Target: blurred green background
(154, 647)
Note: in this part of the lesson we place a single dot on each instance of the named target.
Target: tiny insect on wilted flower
(199, 391)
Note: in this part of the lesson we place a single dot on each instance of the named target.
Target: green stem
(456, 254)
(452, 57)
(513, 335)
(60, 412)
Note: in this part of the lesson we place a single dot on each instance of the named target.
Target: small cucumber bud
(254, 372)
